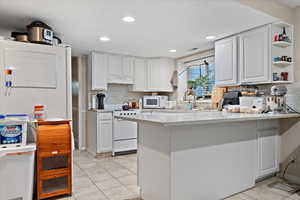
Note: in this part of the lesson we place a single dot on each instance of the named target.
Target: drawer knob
(54, 152)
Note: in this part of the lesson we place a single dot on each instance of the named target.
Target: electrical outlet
(293, 159)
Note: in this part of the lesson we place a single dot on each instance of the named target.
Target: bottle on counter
(39, 112)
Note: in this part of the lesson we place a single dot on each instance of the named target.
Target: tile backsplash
(118, 94)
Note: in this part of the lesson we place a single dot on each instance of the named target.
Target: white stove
(124, 133)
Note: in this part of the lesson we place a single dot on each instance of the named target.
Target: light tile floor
(115, 178)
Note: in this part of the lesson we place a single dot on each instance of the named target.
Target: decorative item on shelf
(284, 76)
(282, 36)
(275, 76)
(276, 37)
(277, 59)
(282, 61)
(282, 44)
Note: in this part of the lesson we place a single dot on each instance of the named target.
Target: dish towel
(174, 80)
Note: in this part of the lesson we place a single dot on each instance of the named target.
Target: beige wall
(296, 15)
(291, 129)
(272, 8)
(290, 138)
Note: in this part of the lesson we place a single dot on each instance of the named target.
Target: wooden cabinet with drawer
(54, 159)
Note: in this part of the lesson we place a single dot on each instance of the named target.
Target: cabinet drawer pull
(54, 152)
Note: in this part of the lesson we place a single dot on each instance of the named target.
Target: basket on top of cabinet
(54, 159)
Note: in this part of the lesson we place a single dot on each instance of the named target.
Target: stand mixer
(276, 102)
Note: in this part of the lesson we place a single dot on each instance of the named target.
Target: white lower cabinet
(268, 148)
(99, 132)
(104, 136)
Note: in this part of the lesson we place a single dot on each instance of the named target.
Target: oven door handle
(121, 120)
(2, 155)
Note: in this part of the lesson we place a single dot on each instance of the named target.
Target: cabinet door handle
(54, 152)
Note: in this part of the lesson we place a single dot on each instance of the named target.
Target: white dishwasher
(124, 133)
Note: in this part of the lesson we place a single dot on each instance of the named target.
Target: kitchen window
(201, 79)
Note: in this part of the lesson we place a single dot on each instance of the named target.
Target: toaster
(253, 102)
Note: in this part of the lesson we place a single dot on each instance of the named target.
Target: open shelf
(282, 63)
(282, 24)
(282, 82)
(282, 44)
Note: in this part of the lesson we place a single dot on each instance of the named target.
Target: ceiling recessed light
(210, 37)
(104, 39)
(172, 50)
(128, 19)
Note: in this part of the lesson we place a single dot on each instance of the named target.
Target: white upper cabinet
(226, 61)
(128, 69)
(254, 52)
(120, 69)
(140, 75)
(145, 75)
(153, 74)
(115, 71)
(159, 74)
(255, 56)
(98, 63)
(110, 68)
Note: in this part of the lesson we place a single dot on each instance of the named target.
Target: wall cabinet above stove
(120, 69)
(144, 74)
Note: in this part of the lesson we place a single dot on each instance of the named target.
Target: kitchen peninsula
(205, 155)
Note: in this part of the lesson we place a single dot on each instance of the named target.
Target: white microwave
(155, 102)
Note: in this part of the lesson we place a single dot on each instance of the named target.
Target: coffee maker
(231, 98)
(100, 101)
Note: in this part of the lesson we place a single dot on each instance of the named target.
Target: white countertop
(101, 111)
(178, 118)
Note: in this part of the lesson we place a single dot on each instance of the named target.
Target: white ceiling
(291, 3)
(160, 24)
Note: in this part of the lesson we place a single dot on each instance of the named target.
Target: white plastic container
(13, 131)
(17, 172)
